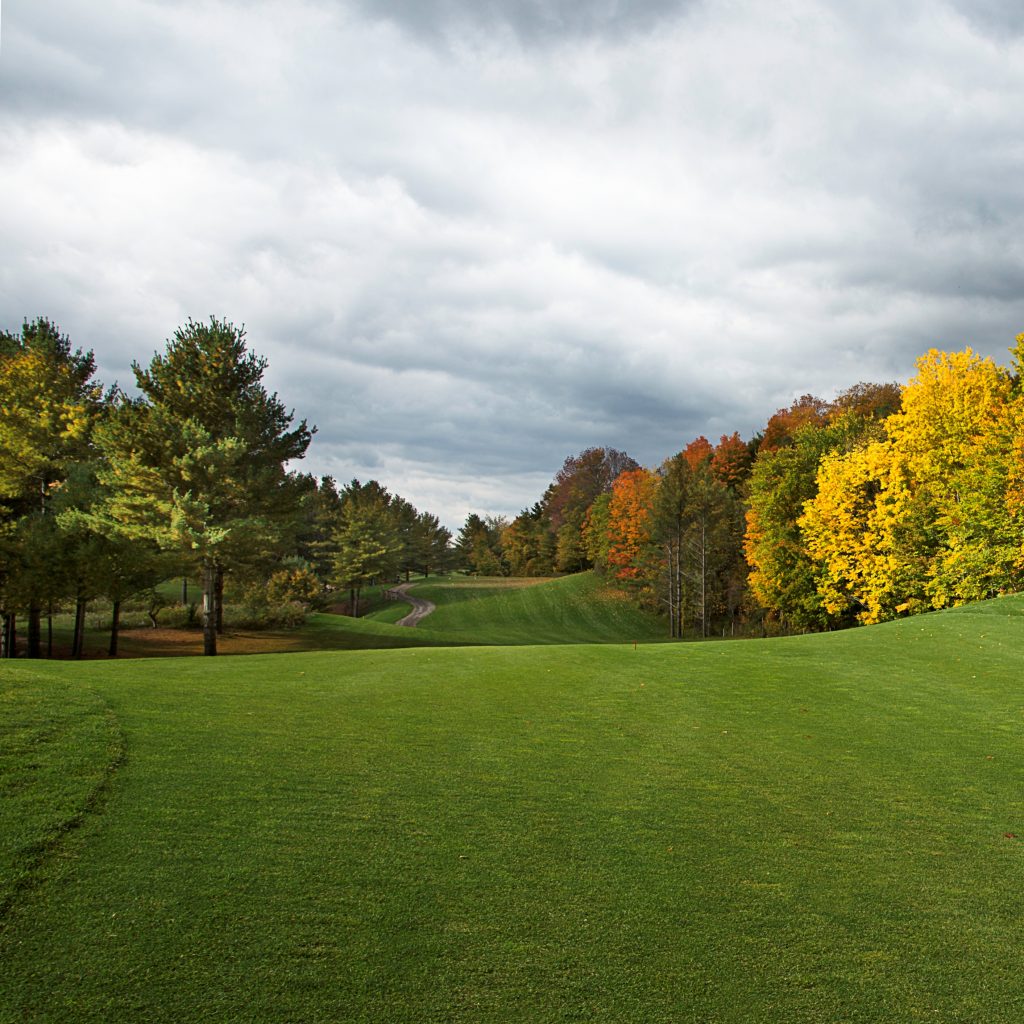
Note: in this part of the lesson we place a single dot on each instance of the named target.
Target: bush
(293, 585)
(261, 615)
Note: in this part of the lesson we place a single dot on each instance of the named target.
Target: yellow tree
(845, 530)
(950, 443)
(923, 518)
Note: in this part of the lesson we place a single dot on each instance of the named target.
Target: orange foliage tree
(698, 452)
(629, 525)
(731, 461)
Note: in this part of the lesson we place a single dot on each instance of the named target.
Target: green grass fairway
(814, 829)
(576, 609)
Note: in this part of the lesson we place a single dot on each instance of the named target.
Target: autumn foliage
(629, 522)
(884, 501)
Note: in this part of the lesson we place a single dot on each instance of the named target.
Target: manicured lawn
(573, 609)
(821, 828)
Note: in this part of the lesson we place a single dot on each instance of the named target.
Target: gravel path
(420, 608)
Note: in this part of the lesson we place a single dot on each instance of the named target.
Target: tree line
(105, 495)
(885, 501)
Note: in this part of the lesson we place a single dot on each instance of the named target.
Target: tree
(366, 546)
(197, 464)
(50, 404)
(528, 545)
(478, 547)
(431, 543)
(926, 517)
(782, 427)
(732, 461)
(867, 401)
(596, 532)
(629, 527)
(845, 537)
(580, 481)
(405, 520)
(782, 573)
(695, 522)
(698, 452)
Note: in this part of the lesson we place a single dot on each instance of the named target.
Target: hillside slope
(578, 609)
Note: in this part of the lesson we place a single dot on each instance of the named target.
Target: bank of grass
(820, 828)
(572, 609)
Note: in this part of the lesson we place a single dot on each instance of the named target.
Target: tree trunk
(49, 631)
(35, 614)
(703, 581)
(355, 605)
(78, 639)
(115, 623)
(10, 635)
(219, 604)
(184, 590)
(209, 609)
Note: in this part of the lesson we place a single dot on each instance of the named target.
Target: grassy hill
(819, 828)
(577, 609)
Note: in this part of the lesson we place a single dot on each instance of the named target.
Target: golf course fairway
(817, 828)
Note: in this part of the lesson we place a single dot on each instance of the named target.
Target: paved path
(420, 608)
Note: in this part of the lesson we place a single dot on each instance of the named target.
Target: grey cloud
(999, 18)
(531, 21)
(466, 262)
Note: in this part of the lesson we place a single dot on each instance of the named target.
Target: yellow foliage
(931, 516)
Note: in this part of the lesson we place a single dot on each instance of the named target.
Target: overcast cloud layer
(473, 238)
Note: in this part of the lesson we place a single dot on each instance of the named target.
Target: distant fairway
(573, 610)
(821, 828)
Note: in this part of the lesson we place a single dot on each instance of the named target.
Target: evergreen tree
(197, 464)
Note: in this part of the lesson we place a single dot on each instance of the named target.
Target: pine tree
(198, 464)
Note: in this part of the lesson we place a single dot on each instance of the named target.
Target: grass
(574, 609)
(819, 828)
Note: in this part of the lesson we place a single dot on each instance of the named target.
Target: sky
(473, 237)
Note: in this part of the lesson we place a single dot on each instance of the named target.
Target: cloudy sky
(475, 236)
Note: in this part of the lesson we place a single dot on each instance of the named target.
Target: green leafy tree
(365, 544)
(528, 545)
(596, 532)
(695, 522)
(50, 403)
(431, 544)
(478, 548)
(783, 575)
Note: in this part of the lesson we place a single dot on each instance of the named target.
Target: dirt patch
(164, 643)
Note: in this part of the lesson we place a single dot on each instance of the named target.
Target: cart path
(420, 608)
